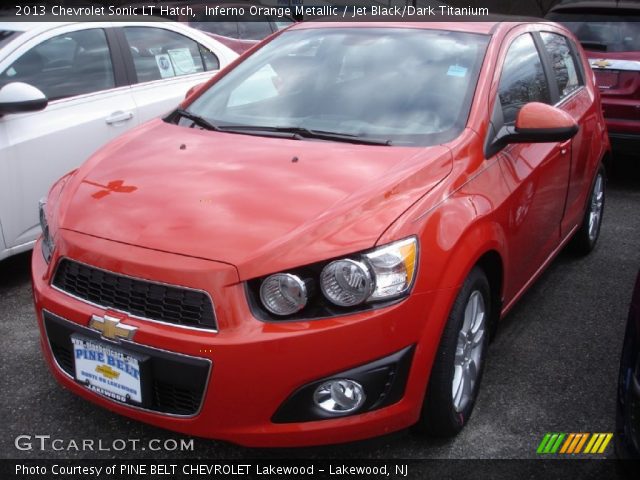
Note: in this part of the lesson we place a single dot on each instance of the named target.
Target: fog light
(339, 396)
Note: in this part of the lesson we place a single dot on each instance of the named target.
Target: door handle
(119, 116)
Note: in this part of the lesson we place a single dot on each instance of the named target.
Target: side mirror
(18, 97)
(537, 123)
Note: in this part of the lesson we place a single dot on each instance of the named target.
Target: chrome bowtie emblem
(601, 63)
(111, 328)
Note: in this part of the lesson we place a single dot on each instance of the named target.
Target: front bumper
(255, 366)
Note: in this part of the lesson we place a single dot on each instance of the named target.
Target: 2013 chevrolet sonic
(316, 246)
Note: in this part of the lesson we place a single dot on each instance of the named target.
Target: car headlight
(283, 294)
(47, 241)
(382, 274)
(346, 282)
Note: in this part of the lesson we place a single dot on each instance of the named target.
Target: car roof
(39, 27)
(587, 6)
(29, 26)
(492, 25)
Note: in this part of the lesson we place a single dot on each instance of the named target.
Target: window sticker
(164, 65)
(182, 61)
(457, 71)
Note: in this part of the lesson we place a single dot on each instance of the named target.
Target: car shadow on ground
(15, 270)
(624, 172)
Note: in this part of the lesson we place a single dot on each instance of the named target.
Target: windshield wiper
(301, 132)
(196, 119)
(297, 132)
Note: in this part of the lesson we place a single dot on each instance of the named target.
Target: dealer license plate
(106, 370)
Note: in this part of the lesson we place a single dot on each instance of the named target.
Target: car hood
(261, 204)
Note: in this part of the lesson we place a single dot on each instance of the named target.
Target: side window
(523, 79)
(563, 62)
(70, 64)
(159, 53)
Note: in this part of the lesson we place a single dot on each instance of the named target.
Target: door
(87, 108)
(166, 64)
(573, 98)
(536, 173)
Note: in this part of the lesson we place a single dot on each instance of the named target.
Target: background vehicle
(610, 35)
(100, 80)
(238, 32)
(628, 406)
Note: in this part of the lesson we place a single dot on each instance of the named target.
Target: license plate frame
(109, 370)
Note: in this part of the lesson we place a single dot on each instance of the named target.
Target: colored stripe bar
(573, 443)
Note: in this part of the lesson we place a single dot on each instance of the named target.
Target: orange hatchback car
(316, 246)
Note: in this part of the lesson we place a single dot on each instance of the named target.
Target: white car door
(167, 60)
(89, 104)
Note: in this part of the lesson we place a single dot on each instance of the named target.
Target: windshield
(402, 86)
(606, 33)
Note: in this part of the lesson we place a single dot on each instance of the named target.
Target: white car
(66, 89)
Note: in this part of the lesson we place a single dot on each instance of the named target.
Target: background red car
(610, 34)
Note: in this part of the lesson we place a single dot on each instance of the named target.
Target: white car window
(159, 53)
(67, 65)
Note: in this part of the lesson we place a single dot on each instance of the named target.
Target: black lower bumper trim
(383, 380)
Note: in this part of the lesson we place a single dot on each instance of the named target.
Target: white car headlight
(346, 282)
(384, 273)
(283, 294)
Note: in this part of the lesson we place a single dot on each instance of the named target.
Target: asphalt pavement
(551, 368)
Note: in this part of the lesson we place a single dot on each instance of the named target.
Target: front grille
(178, 305)
(171, 383)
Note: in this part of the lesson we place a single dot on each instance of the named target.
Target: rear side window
(523, 79)
(563, 62)
(67, 65)
(159, 53)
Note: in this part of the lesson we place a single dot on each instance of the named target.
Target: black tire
(441, 417)
(585, 239)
